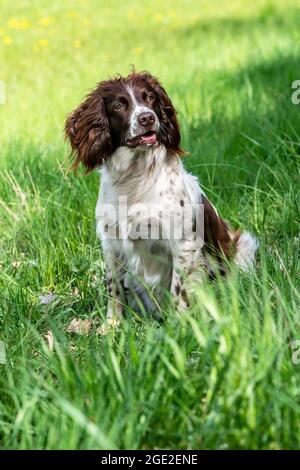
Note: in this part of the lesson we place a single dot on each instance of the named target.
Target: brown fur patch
(177, 289)
(217, 239)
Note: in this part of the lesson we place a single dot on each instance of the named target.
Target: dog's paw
(109, 325)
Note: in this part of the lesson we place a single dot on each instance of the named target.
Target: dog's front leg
(178, 290)
(188, 269)
(115, 292)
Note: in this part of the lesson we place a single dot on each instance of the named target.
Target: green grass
(220, 376)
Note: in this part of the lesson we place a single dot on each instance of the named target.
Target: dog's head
(133, 111)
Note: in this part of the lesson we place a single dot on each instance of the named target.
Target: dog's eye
(118, 106)
(150, 98)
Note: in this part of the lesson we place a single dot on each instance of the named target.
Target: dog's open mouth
(147, 139)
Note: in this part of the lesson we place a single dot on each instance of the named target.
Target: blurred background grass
(52, 53)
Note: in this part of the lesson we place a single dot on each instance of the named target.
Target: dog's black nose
(146, 119)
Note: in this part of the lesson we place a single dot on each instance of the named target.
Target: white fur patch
(247, 246)
(137, 110)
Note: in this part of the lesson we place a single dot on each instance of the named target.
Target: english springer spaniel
(158, 228)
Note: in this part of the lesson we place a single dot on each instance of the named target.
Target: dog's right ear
(88, 130)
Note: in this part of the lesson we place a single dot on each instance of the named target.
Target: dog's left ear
(171, 132)
(88, 130)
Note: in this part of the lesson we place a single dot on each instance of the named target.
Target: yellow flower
(77, 44)
(18, 24)
(130, 14)
(13, 23)
(7, 40)
(47, 20)
(137, 50)
(172, 14)
(43, 42)
(24, 24)
(72, 14)
(158, 17)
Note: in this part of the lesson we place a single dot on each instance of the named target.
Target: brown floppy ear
(88, 130)
(171, 132)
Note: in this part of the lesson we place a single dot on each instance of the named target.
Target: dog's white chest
(140, 214)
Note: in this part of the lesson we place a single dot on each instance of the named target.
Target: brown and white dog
(128, 128)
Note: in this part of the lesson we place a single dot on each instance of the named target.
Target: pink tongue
(149, 139)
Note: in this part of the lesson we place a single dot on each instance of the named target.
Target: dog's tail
(246, 247)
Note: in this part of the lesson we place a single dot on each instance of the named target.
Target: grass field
(222, 375)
